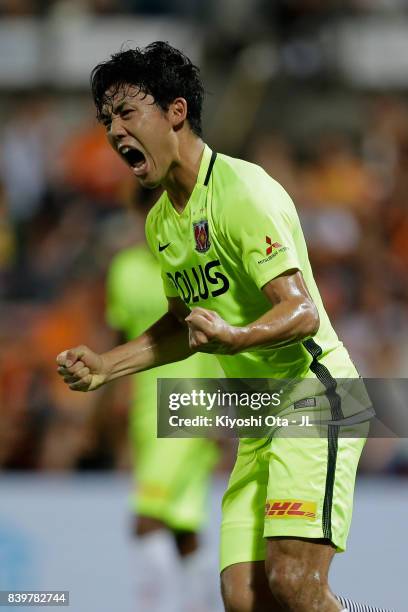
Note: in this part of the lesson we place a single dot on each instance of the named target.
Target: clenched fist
(209, 333)
(81, 369)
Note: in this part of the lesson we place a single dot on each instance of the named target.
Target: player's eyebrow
(118, 108)
(107, 116)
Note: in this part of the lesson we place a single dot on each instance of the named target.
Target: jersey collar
(203, 177)
(207, 162)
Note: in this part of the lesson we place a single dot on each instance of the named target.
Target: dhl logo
(290, 508)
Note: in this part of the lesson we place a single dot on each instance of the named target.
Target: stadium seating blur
(332, 127)
(315, 91)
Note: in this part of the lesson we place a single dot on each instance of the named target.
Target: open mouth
(134, 158)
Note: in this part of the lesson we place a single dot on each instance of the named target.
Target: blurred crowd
(350, 191)
(64, 211)
(283, 10)
(65, 201)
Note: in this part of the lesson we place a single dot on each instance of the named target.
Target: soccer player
(172, 475)
(239, 284)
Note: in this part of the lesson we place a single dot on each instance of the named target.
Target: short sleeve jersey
(238, 231)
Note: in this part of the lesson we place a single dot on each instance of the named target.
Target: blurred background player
(172, 476)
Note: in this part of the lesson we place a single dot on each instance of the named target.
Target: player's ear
(177, 112)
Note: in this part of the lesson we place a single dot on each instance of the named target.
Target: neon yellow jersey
(135, 300)
(238, 231)
(172, 474)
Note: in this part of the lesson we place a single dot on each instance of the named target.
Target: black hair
(159, 70)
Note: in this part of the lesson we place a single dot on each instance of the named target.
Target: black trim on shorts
(210, 167)
(330, 383)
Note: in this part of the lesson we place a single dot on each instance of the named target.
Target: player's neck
(182, 178)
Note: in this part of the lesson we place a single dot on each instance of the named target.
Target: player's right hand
(81, 369)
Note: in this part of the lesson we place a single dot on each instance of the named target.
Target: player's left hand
(209, 333)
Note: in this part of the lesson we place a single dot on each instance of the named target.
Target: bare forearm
(166, 341)
(292, 318)
(286, 323)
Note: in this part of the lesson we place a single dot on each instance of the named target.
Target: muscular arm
(292, 318)
(165, 341)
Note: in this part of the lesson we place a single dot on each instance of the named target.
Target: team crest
(201, 236)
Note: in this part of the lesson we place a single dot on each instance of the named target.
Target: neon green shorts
(286, 486)
(172, 479)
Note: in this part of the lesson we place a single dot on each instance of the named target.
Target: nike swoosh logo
(163, 246)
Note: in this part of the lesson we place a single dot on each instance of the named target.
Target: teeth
(124, 150)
